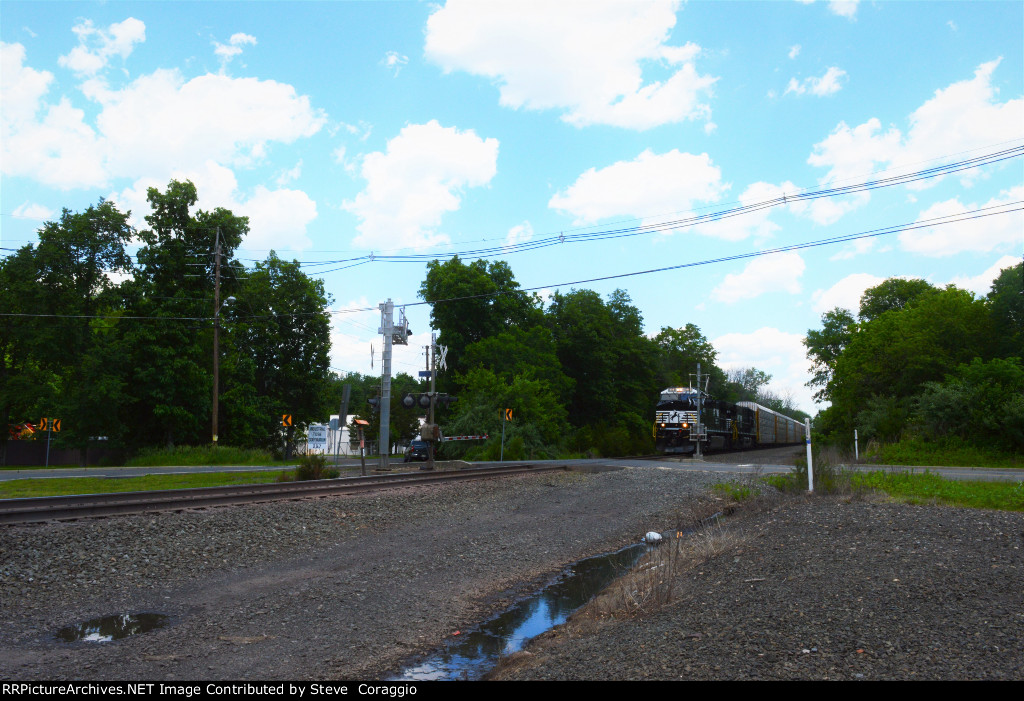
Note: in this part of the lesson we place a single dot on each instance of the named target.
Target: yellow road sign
(56, 425)
(44, 424)
(286, 420)
(508, 414)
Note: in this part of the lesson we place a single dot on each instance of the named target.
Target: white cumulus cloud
(828, 84)
(97, 46)
(778, 272)
(780, 354)
(228, 51)
(520, 233)
(419, 178)
(32, 210)
(651, 185)
(1003, 230)
(961, 117)
(153, 125)
(981, 284)
(586, 59)
(845, 294)
(278, 219)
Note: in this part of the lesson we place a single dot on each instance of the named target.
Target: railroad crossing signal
(286, 420)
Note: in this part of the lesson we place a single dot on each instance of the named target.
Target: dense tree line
(123, 349)
(579, 373)
(927, 362)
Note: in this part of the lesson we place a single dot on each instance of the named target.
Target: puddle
(473, 653)
(107, 628)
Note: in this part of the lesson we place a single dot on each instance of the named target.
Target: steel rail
(40, 509)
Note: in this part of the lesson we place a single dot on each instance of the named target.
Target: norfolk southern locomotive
(722, 425)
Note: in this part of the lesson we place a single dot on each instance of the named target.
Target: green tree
(613, 364)
(539, 419)
(1006, 304)
(894, 355)
(824, 348)
(62, 355)
(172, 354)
(981, 401)
(516, 351)
(680, 349)
(892, 295)
(277, 347)
(748, 383)
(471, 302)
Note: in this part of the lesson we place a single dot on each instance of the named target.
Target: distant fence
(33, 454)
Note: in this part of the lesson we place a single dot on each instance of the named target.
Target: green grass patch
(951, 452)
(930, 488)
(50, 487)
(736, 491)
(201, 455)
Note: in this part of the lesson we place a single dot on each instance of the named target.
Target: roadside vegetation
(926, 375)
(59, 486)
(201, 455)
(948, 452)
(832, 476)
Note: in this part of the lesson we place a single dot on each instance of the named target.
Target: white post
(810, 462)
(856, 450)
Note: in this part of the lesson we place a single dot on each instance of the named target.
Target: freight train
(723, 425)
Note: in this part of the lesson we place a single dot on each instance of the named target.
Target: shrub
(313, 466)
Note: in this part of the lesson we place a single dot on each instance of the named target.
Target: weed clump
(312, 466)
(831, 475)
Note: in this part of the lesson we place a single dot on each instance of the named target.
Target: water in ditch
(471, 654)
(115, 627)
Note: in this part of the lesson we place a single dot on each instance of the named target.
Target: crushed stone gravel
(820, 588)
(355, 587)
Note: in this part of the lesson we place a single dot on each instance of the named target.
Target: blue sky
(411, 128)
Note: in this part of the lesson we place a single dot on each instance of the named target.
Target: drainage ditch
(471, 654)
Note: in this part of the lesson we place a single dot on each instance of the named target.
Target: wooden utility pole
(216, 335)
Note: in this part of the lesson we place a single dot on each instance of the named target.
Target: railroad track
(39, 509)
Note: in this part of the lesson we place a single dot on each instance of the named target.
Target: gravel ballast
(340, 587)
(353, 587)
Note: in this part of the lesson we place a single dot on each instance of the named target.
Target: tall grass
(831, 474)
(930, 488)
(200, 455)
(950, 452)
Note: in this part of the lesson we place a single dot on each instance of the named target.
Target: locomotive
(722, 425)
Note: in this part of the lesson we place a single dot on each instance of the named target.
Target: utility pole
(433, 398)
(387, 329)
(392, 334)
(216, 335)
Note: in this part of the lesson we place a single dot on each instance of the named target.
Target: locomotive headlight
(663, 425)
(686, 425)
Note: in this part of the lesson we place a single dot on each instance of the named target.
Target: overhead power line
(993, 210)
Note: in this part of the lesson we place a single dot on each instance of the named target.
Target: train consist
(722, 425)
